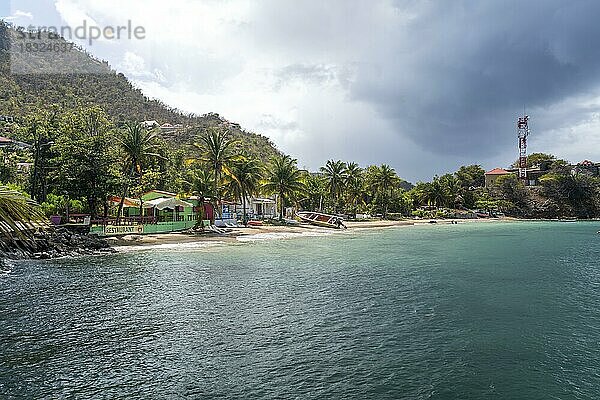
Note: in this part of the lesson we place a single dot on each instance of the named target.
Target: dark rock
(54, 243)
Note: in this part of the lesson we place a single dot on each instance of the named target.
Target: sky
(425, 86)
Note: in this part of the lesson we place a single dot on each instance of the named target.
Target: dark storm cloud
(455, 77)
(422, 85)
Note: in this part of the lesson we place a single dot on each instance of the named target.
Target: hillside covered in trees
(23, 95)
(89, 145)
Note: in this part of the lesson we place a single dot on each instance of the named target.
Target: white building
(256, 208)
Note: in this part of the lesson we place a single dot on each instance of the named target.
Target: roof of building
(4, 141)
(161, 192)
(586, 163)
(128, 202)
(169, 203)
(263, 200)
(497, 171)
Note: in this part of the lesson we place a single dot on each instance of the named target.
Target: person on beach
(339, 223)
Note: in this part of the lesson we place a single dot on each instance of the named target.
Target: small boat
(255, 223)
(320, 219)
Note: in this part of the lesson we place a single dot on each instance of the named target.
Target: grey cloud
(269, 121)
(464, 70)
(427, 84)
(315, 74)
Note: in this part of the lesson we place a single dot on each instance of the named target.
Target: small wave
(170, 246)
(282, 235)
(6, 267)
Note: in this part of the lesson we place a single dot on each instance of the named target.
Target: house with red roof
(493, 175)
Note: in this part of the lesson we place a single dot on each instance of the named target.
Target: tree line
(80, 159)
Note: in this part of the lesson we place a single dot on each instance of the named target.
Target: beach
(266, 232)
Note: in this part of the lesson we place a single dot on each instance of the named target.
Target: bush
(57, 205)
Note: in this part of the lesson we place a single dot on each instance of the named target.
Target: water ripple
(499, 311)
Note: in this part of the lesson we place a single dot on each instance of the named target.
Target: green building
(157, 212)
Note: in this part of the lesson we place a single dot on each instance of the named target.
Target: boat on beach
(320, 219)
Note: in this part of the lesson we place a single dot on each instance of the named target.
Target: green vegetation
(537, 160)
(81, 158)
(216, 152)
(89, 143)
(285, 179)
(28, 95)
(19, 215)
(244, 180)
(139, 146)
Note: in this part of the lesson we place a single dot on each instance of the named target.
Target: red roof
(128, 202)
(497, 171)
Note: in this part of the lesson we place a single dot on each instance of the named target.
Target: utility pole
(38, 169)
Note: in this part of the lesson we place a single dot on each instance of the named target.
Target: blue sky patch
(4, 8)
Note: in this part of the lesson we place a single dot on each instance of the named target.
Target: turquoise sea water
(468, 311)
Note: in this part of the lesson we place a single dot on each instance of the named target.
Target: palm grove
(81, 158)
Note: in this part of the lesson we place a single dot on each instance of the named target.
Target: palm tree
(284, 178)
(245, 175)
(420, 193)
(19, 215)
(452, 189)
(335, 173)
(200, 183)
(436, 193)
(315, 191)
(216, 150)
(354, 183)
(385, 180)
(138, 145)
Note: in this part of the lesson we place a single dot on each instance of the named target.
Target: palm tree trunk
(200, 216)
(141, 210)
(125, 189)
(216, 198)
(244, 207)
(93, 204)
(387, 203)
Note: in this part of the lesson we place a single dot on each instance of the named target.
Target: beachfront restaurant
(156, 212)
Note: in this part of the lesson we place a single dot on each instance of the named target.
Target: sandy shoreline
(268, 232)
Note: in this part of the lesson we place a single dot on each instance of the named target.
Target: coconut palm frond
(19, 215)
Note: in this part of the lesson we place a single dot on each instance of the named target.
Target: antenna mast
(522, 133)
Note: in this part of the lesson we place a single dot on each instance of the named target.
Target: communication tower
(522, 133)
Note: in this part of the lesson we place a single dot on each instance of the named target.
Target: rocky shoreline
(54, 243)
